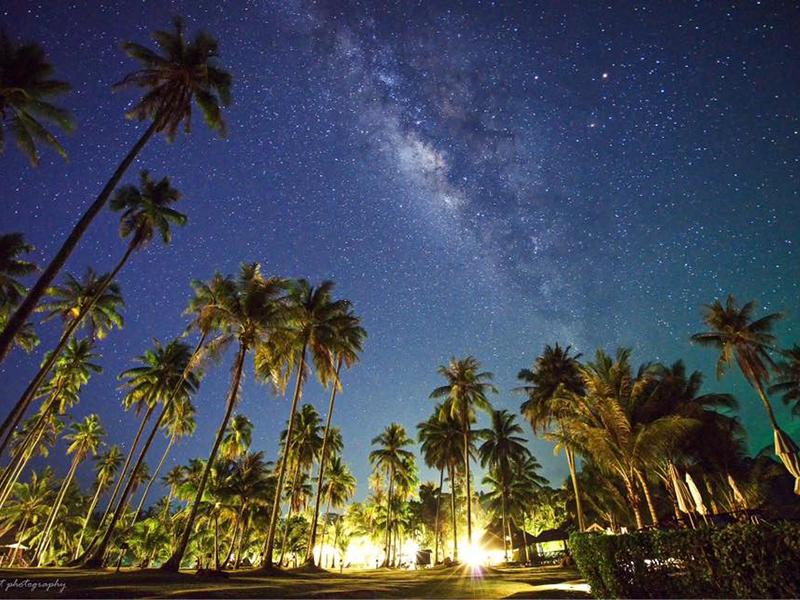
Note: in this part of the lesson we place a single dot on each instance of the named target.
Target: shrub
(742, 561)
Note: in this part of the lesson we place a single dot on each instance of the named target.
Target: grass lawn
(453, 582)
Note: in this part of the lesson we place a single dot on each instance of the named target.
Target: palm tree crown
(26, 88)
(184, 72)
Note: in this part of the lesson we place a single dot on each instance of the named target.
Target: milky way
(477, 178)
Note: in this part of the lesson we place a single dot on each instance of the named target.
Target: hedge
(734, 561)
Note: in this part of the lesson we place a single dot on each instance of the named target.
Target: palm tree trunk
(15, 469)
(505, 544)
(100, 486)
(436, 520)
(174, 562)
(96, 559)
(574, 477)
(236, 525)
(23, 529)
(16, 414)
(648, 497)
(45, 541)
(525, 538)
(467, 481)
(312, 537)
(633, 498)
(154, 476)
(451, 470)
(242, 537)
(325, 524)
(269, 543)
(767, 405)
(27, 306)
(510, 539)
(289, 509)
(386, 560)
(28, 445)
(216, 541)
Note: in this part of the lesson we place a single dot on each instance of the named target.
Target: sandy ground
(453, 582)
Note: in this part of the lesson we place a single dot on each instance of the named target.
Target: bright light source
(475, 556)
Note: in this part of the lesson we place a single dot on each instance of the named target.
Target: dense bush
(736, 561)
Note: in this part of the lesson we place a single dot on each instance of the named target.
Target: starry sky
(477, 177)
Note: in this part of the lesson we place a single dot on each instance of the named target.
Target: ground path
(453, 582)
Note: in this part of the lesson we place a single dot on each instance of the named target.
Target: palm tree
(84, 438)
(237, 439)
(71, 372)
(339, 489)
(31, 506)
(603, 423)
(391, 457)
(164, 375)
(788, 379)
(465, 391)
(25, 93)
(149, 541)
(106, 468)
(314, 319)
(501, 450)
(179, 423)
(12, 266)
(555, 370)
(348, 344)
(93, 303)
(247, 313)
(749, 342)
(173, 479)
(186, 72)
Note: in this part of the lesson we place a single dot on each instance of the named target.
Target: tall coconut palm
(602, 422)
(85, 438)
(339, 489)
(179, 422)
(501, 450)
(186, 72)
(749, 342)
(391, 457)
(788, 379)
(26, 90)
(71, 372)
(106, 468)
(555, 370)
(92, 303)
(164, 375)
(313, 320)
(12, 266)
(248, 313)
(466, 390)
(237, 439)
(348, 345)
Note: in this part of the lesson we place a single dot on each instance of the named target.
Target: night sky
(478, 178)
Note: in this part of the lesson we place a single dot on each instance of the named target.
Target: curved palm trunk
(312, 537)
(633, 498)
(436, 519)
(48, 529)
(27, 306)
(153, 477)
(236, 526)
(525, 538)
(510, 539)
(269, 543)
(17, 466)
(100, 486)
(21, 536)
(325, 524)
(451, 469)
(96, 559)
(651, 507)
(16, 414)
(574, 477)
(174, 562)
(242, 538)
